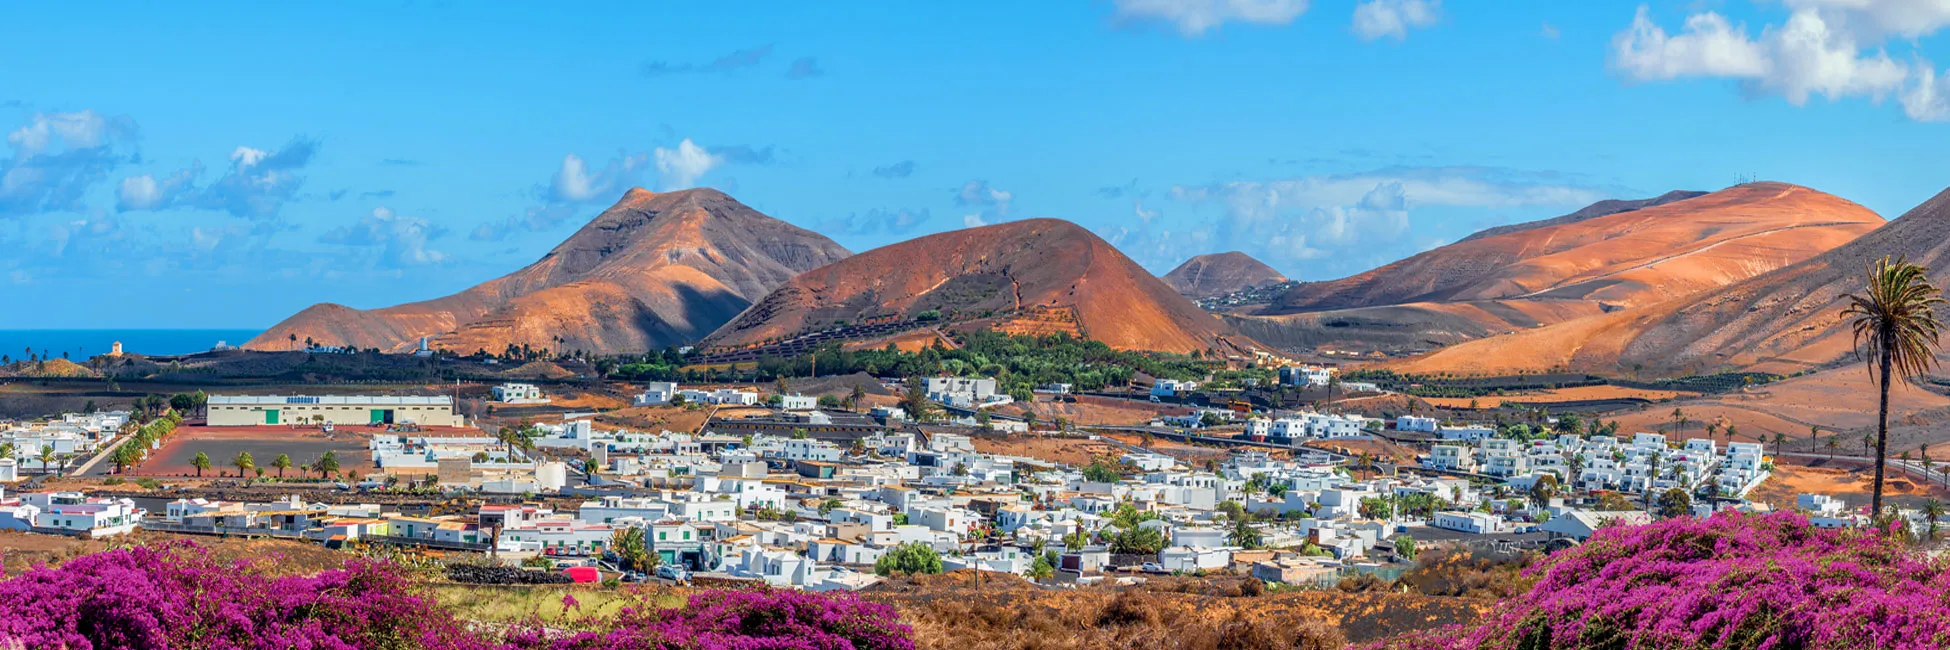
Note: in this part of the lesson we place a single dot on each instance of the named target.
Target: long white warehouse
(262, 410)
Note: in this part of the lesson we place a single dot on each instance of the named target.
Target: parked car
(1153, 567)
(670, 572)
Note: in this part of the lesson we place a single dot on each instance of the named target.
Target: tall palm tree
(1934, 510)
(1834, 442)
(1896, 322)
(1814, 435)
(1780, 440)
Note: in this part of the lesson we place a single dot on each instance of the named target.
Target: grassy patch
(524, 603)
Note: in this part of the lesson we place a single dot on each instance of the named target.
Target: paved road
(1934, 474)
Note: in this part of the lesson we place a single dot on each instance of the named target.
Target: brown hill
(652, 271)
(1038, 275)
(1217, 274)
(1782, 321)
(1609, 257)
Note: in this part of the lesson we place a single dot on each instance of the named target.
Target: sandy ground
(21, 551)
(1087, 410)
(1838, 400)
(656, 418)
(304, 445)
(1073, 451)
(1194, 454)
(1849, 482)
(1576, 394)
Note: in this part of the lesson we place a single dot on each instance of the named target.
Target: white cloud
(247, 156)
(1550, 32)
(993, 203)
(144, 192)
(401, 240)
(573, 183)
(1709, 46)
(1309, 218)
(58, 157)
(1137, 210)
(77, 130)
(682, 166)
(1195, 17)
(1873, 20)
(1393, 18)
(1832, 48)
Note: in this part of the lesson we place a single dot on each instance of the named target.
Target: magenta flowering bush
(176, 597)
(1765, 582)
(767, 619)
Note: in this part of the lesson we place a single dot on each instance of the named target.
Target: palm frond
(1896, 317)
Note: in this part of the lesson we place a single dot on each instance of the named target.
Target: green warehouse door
(382, 416)
(270, 416)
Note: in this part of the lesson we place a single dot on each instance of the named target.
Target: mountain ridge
(653, 270)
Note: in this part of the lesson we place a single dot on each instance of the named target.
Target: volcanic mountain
(1217, 274)
(1033, 276)
(1783, 321)
(1609, 257)
(654, 270)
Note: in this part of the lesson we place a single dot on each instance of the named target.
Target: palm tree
(1677, 415)
(243, 463)
(1734, 431)
(1934, 510)
(1814, 434)
(326, 465)
(1712, 430)
(47, 457)
(1780, 439)
(1834, 443)
(200, 462)
(1896, 323)
(282, 462)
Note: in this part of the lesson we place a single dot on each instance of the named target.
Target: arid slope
(1016, 276)
(1596, 261)
(1783, 321)
(652, 271)
(1217, 274)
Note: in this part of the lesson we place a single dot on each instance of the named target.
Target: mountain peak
(653, 270)
(1217, 274)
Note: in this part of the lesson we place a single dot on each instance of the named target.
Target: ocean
(82, 344)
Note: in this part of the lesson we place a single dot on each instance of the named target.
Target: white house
(657, 393)
(1414, 423)
(1481, 523)
(518, 394)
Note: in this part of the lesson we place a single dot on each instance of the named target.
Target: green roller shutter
(270, 416)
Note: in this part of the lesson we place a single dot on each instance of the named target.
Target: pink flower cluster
(744, 620)
(176, 597)
(1767, 582)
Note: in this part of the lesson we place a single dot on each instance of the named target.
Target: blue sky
(227, 165)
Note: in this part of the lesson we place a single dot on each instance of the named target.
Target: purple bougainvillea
(1766, 582)
(174, 596)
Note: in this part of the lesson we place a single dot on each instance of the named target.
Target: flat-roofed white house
(519, 394)
(272, 410)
